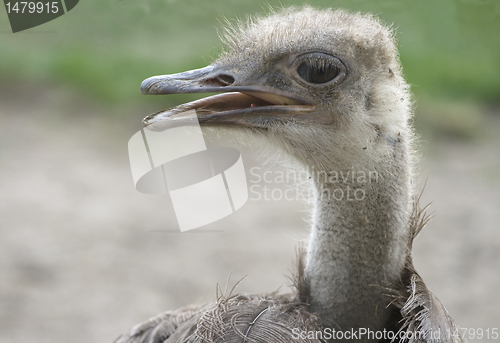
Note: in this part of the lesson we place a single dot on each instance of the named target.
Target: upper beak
(249, 101)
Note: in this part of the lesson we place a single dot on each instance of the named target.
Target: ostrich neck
(358, 244)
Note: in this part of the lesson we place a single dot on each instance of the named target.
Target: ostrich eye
(318, 68)
(314, 73)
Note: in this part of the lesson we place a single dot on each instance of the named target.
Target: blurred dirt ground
(84, 256)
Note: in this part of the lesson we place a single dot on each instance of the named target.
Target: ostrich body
(325, 88)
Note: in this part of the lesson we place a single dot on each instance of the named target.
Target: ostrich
(325, 89)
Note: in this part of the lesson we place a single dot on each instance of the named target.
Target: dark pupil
(317, 74)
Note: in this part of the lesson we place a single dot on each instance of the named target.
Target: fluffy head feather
(364, 116)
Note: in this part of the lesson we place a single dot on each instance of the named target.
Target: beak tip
(145, 85)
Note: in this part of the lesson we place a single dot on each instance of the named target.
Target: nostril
(222, 80)
(226, 80)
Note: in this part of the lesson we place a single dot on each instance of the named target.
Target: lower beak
(246, 101)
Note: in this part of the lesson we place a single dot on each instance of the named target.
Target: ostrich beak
(245, 101)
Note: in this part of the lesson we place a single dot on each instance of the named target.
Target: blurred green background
(450, 50)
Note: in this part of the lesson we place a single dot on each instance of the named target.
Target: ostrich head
(326, 88)
(323, 85)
